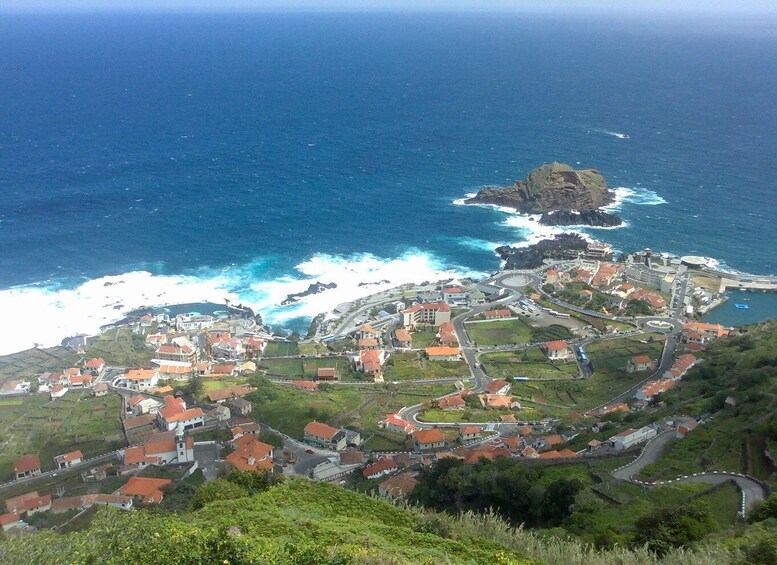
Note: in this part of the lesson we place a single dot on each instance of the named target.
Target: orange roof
(558, 345)
(495, 400)
(368, 342)
(642, 359)
(451, 290)
(496, 385)
(367, 328)
(188, 414)
(319, 429)
(370, 360)
(442, 351)
(326, 372)
(550, 455)
(252, 456)
(469, 430)
(553, 440)
(402, 334)
(175, 369)
(163, 390)
(27, 463)
(499, 313)
(658, 386)
(429, 436)
(95, 363)
(306, 385)
(149, 490)
(9, 518)
(451, 401)
(70, 456)
(382, 465)
(566, 452)
(139, 374)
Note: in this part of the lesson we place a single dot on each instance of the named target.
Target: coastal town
(572, 361)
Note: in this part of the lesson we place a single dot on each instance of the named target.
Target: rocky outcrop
(314, 288)
(582, 218)
(562, 246)
(550, 188)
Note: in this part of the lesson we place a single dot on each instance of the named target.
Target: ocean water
(157, 159)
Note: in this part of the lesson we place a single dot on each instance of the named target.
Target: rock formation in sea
(582, 218)
(314, 288)
(556, 187)
(562, 246)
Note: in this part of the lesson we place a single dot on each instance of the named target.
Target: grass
(500, 332)
(289, 410)
(611, 356)
(27, 364)
(281, 349)
(530, 363)
(424, 338)
(284, 368)
(76, 421)
(121, 347)
(413, 366)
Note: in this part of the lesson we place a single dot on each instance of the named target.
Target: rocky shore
(562, 246)
(583, 218)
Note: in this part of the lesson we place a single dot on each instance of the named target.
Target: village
(568, 362)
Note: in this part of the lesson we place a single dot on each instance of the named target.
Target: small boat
(742, 306)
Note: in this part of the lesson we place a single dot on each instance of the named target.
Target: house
(656, 301)
(586, 295)
(368, 343)
(161, 449)
(95, 364)
(26, 466)
(241, 406)
(370, 361)
(700, 332)
(163, 391)
(653, 388)
(433, 314)
(322, 435)
(453, 295)
(498, 386)
(368, 332)
(144, 490)
(155, 340)
(175, 414)
(140, 404)
(28, 503)
(557, 350)
(223, 370)
(593, 445)
(309, 386)
(548, 441)
(112, 500)
(498, 314)
(468, 433)
(10, 520)
(383, 466)
(598, 249)
(68, 459)
(65, 504)
(193, 322)
(685, 427)
(640, 363)
(176, 372)
(139, 424)
(393, 423)
(398, 486)
(428, 439)
(141, 379)
(100, 389)
(403, 338)
(453, 402)
(447, 334)
(329, 471)
(529, 452)
(57, 392)
(172, 353)
(220, 413)
(582, 276)
(496, 401)
(14, 387)
(631, 437)
(477, 297)
(443, 353)
(551, 276)
(612, 408)
(327, 374)
(224, 346)
(680, 367)
(253, 456)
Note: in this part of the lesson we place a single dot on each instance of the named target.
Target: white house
(141, 379)
(630, 437)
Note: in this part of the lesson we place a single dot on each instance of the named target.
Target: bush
(219, 489)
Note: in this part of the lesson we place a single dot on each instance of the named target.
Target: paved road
(752, 489)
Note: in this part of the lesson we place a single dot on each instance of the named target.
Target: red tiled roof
(149, 490)
(251, 456)
(319, 429)
(306, 385)
(442, 351)
(429, 436)
(382, 465)
(558, 345)
(27, 463)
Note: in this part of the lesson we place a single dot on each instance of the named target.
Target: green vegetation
(424, 338)
(414, 366)
(611, 356)
(532, 363)
(48, 428)
(27, 364)
(550, 333)
(281, 349)
(121, 347)
(500, 332)
(283, 368)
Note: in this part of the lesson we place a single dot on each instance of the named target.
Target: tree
(666, 528)
(196, 385)
(254, 482)
(219, 489)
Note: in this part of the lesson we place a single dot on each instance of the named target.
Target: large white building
(431, 313)
(630, 437)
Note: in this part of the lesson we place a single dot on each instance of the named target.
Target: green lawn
(611, 356)
(281, 349)
(424, 338)
(500, 332)
(289, 410)
(284, 368)
(530, 363)
(413, 366)
(121, 347)
(27, 364)
(76, 421)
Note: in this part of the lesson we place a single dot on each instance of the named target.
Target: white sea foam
(462, 201)
(45, 314)
(477, 244)
(613, 133)
(636, 195)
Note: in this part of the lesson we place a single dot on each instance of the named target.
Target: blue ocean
(159, 159)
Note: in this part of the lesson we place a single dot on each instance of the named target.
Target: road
(752, 489)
